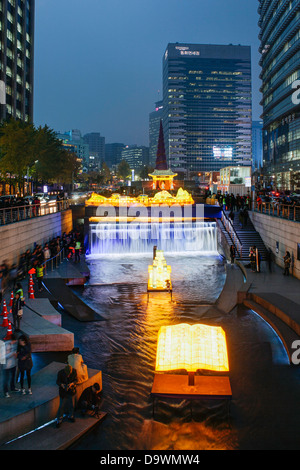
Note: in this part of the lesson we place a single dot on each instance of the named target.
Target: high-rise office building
(136, 156)
(154, 123)
(207, 106)
(16, 59)
(257, 146)
(279, 24)
(96, 144)
(113, 154)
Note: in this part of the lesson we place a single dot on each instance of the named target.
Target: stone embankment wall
(280, 235)
(18, 237)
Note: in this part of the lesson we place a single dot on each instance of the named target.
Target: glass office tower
(16, 59)
(280, 61)
(207, 103)
(154, 123)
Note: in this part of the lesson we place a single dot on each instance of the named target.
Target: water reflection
(124, 347)
(265, 406)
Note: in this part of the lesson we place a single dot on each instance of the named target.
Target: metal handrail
(286, 211)
(50, 260)
(232, 233)
(12, 214)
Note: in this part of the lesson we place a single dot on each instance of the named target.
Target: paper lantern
(191, 347)
(159, 273)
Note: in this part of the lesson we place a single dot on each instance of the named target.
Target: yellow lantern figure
(159, 273)
(191, 347)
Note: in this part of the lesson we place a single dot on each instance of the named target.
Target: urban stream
(265, 408)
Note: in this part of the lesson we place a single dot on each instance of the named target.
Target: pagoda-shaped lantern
(162, 175)
(159, 273)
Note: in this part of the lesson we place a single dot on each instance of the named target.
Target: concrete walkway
(275, 283)
(276, 298)
(21, 414)
(41, 322)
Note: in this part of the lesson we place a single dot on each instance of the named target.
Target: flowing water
(265, 407)
(134, 238)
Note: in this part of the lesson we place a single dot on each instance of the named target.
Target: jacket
(89, 397)
(24, 357)
(17, 306)
(64, 379)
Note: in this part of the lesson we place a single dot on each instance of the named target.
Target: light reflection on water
(265, 388)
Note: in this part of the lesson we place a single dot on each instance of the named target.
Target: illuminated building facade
(16, 59)
(207, 106)
(96, 144)
(136, 156)
(257, 146)
(73, 142)
(280, 58)
(154, 125)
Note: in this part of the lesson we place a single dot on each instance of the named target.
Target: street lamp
(27, 176)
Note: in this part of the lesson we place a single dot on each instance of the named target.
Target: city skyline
(111, 89)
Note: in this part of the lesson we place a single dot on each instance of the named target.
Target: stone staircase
(249, 237)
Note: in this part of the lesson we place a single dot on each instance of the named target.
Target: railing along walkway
(12, 214)
(283, 211)
(230, 229)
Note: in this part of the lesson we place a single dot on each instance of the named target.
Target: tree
(123, 170)
(145, 171)
(105, 173)
(16, 144)
(26, 150)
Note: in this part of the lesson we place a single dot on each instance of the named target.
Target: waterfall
(125, 238)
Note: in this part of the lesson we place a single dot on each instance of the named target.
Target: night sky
(98, 63)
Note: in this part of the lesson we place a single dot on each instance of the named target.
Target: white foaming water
(134, 238)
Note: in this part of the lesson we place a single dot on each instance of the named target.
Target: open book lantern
(191, 347)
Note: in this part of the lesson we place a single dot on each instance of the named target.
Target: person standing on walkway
(66, 381)
(257, 257)
(24, 362)
(17, 310)
(40, 276)
(232, 254)
(287, 263)
(10, 366)
(77, 251)
(252, 257)
(47, 254)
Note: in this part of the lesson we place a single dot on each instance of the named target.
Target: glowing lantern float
(159, 273)
(191, 347)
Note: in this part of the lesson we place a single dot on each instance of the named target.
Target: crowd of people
(71, 243)
(28, 207)
(18, 364)
(15, 350)
(234, 203)
(14, 208)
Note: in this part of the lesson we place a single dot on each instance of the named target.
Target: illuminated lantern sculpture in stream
(191, 347)
(159, 273)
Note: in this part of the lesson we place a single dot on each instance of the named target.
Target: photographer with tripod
(90, 400)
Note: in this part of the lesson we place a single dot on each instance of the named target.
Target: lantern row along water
(134, 238)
